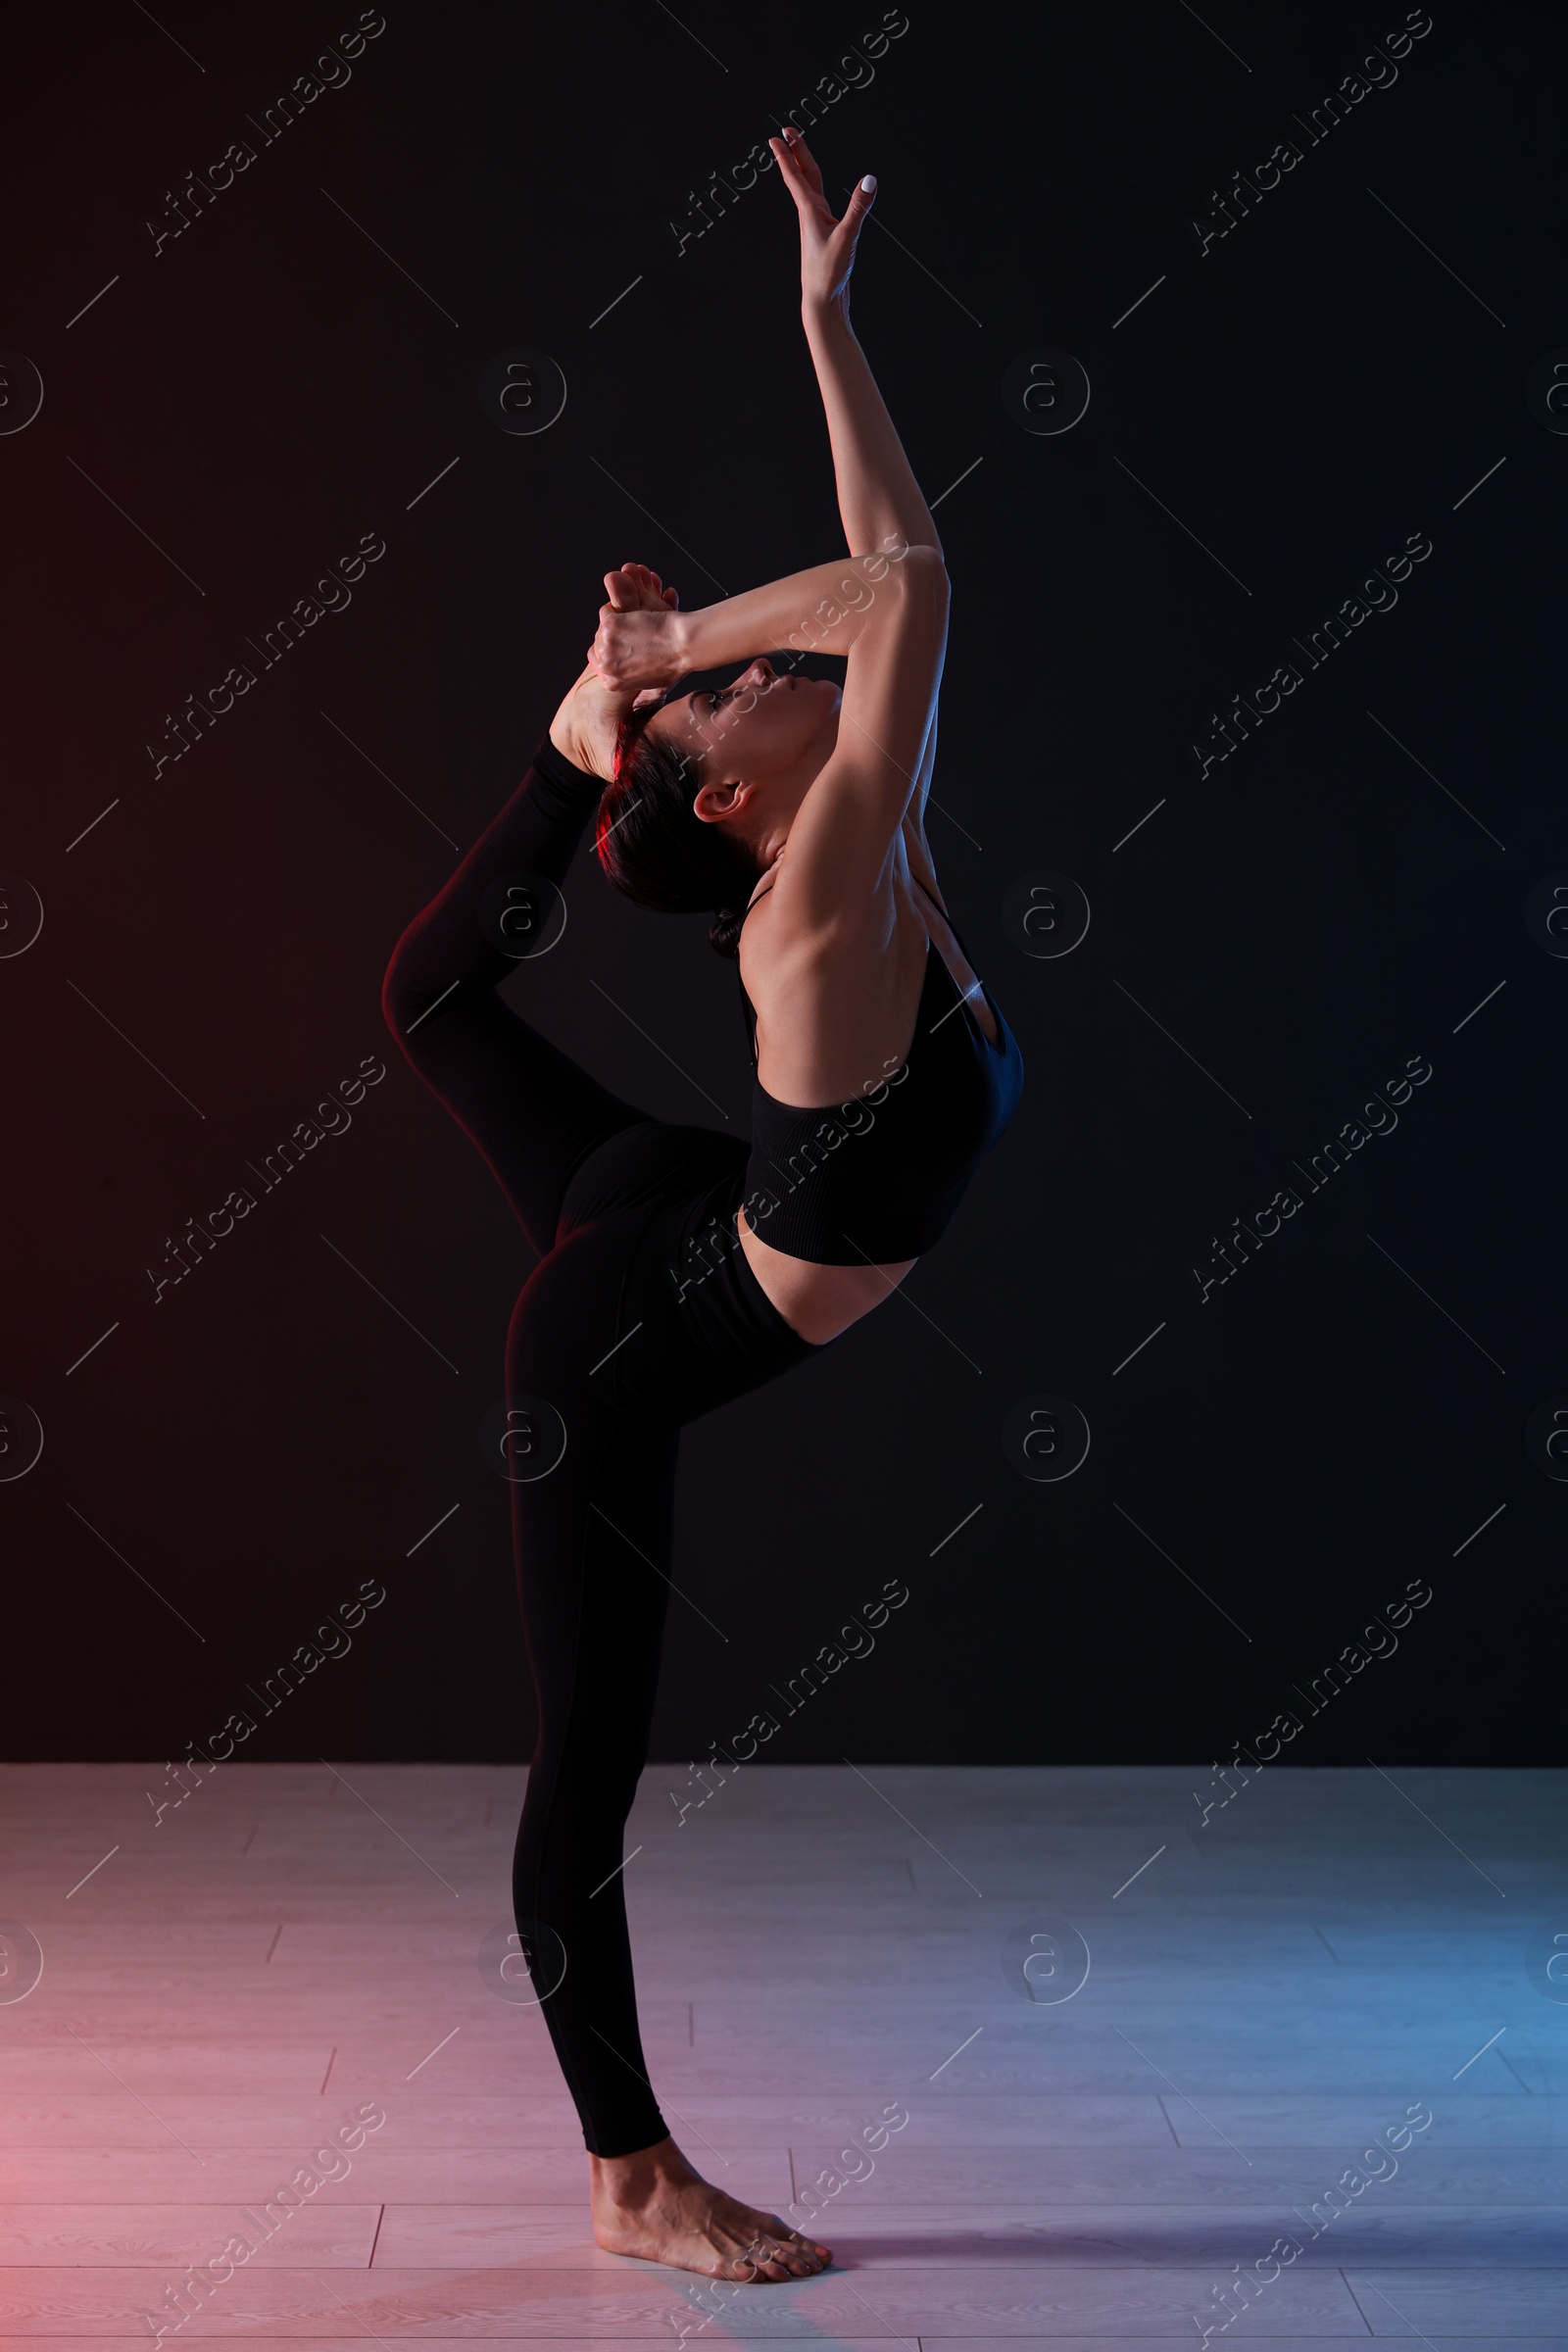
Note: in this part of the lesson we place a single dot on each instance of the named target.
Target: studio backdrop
(342, 353)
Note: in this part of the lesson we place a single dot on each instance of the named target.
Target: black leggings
(641, 1314)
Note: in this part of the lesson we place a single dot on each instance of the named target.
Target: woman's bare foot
(652, 2204)
(585, 726)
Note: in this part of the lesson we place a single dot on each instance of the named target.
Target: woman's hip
(652, 1312)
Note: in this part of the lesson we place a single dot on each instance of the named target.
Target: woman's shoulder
(788, 923)
(787, 938)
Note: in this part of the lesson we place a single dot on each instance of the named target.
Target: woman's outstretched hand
(827, 244)
(639, 648)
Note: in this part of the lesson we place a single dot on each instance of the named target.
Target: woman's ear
(716, 802)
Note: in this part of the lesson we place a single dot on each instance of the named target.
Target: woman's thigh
(533, 1112)
(592, 1479)
(613, 1348)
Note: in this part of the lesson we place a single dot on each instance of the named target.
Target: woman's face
(761, 724)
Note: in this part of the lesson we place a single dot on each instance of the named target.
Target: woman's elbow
(926, 574)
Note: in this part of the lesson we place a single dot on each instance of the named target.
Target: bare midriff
(817, 1302)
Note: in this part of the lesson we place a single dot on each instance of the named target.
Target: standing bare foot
(652, 2204)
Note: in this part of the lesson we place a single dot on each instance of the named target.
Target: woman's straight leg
(594, 1545)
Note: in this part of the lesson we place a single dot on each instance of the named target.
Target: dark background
(1282, 1459)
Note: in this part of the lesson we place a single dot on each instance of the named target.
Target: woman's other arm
(880, 503)
(822, 609)
(889, 615)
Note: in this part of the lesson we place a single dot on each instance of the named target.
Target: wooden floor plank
(166, 2236)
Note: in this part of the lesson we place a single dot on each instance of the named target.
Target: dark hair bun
(654, 848)
(724, 932)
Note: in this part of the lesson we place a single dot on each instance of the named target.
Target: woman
(678, 1268)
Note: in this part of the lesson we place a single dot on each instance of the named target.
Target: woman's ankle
(632, 2179)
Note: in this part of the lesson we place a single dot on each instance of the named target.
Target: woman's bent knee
(409, 989)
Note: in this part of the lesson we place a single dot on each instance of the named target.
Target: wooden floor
(1269, 1998)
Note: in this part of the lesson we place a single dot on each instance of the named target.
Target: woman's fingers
(803, 158)
(861, 198)
(786, 167)
(634, 644)
(847, 235)
(804, 181)
(807, 199)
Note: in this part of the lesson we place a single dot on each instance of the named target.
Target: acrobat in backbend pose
(680, 1267)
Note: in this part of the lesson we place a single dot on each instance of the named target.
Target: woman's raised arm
(880, 503)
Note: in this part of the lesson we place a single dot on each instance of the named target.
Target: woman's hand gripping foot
(584, 727)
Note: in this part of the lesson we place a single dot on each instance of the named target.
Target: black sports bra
(879, 1178)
